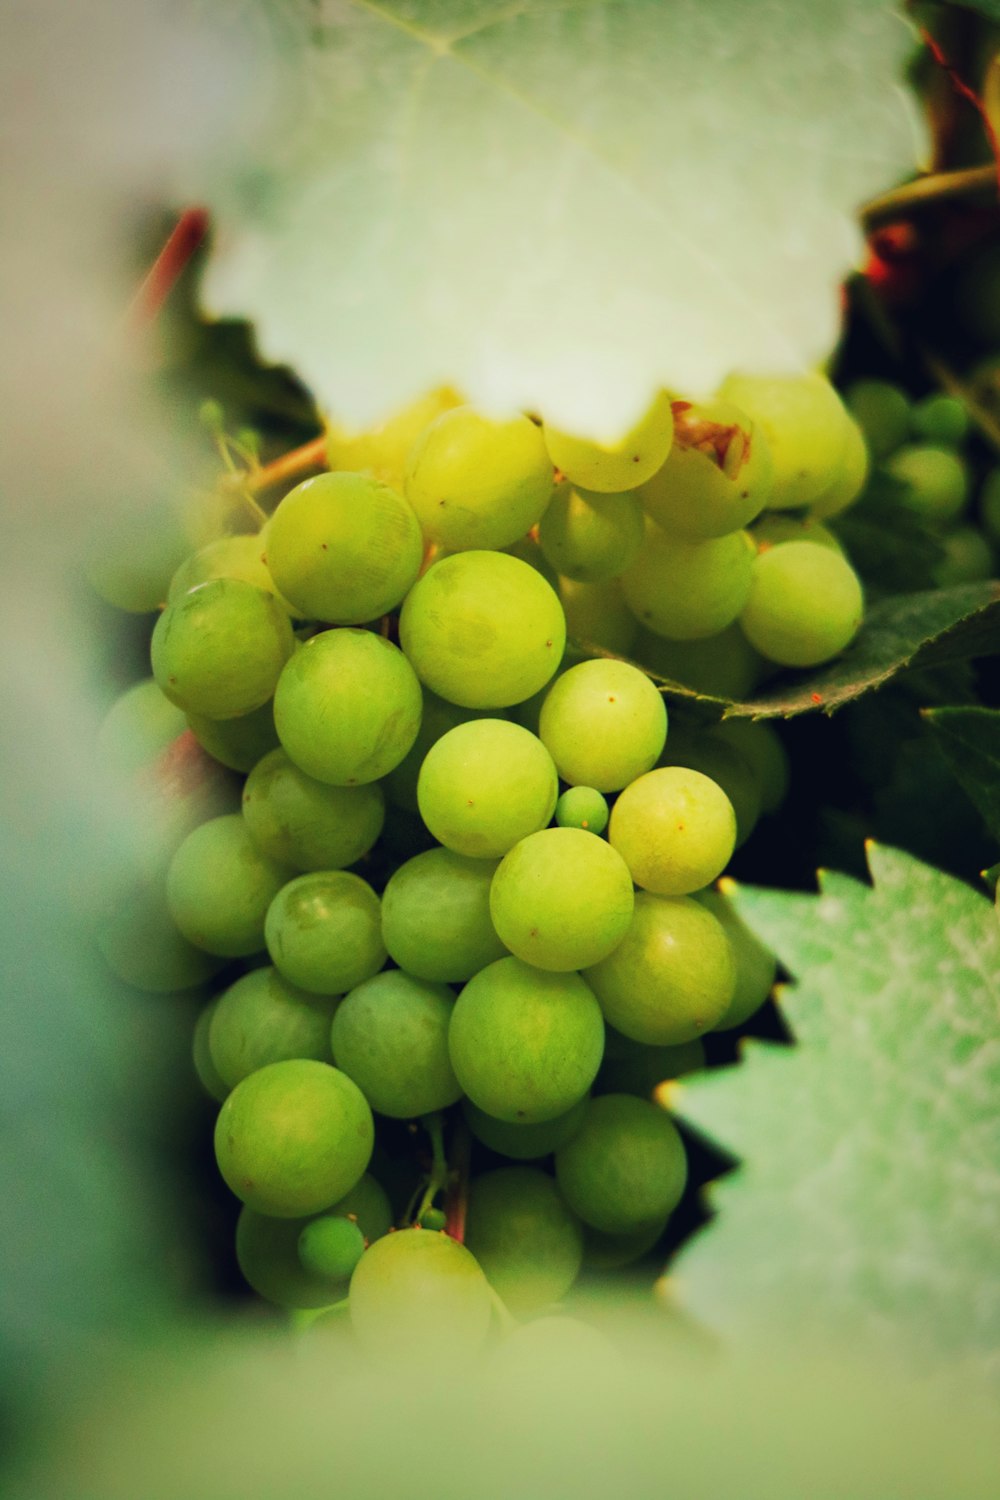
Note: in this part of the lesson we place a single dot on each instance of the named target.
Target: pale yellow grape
(597, 615)
(675, 829)
(621, 465)
(227, 557)
(604, 723)
(848, 485)
(484, 785)
(807, 429)
(688, 590)
(383, 450)
(417, 1295)
(805, 604)
(717, 477)
(588, 536)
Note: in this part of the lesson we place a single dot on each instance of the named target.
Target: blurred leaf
(970, 739)
(867, 1206)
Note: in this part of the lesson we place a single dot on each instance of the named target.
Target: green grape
(219, 888)
(137, 727)
(523, 1142)
(673, 975)
(806, 426)
(968, 557)
(343, 548)
(227, 557)
(436, 919)
(582, 807)
(723, 665)
(935, 481)
(688, 590)
(848, 484)
(483, 629)
(205, 1070)
(675, 829)
(308, 824)
(140, 944)
(219, 649)
(474, 482)
(267, 1249)
(717, 477)
(384, 449)
(761, 745)
(293, 1137)
(484, 785)
(418, 1293)
(805, 604)
(347, 707)
(590, 537)
(528, 1243)
(330, 1247)
(262, 1019)
(324, 932)
(635, 1068)
(527, 549)
(989, 505)
(433, 1218)
(438, 717)
(604, 723)
(882, 411)
(726, 765)
(612, 467)
(779, 526)
(611, 1252)
(597, 615)
(755, 965)
(237, 743)
(135, 551)
(624, 1167)
(525, 1044)
(561, 899)
(390, 1035)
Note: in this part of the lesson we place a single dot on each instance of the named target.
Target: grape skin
(419, 1293)
(527, 1241)
(675, 828)
(604, 723)
(390, 1035)
(625, 1167)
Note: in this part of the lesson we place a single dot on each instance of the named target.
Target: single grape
(935, 481)
(525, 1044)
(717, 477)
(604, 723)
(219, 887)
(528, 1243)
(779, 526)
(688, 590)
(755, 965)
(433, 1218)
(726, 765)
(805, 604)
(438, 717)
(582, 807)
(237, 743)
(806, 427)
(347, 707)
(624, 1167)
(308, 824)
(390, 1035)
(848, 484)
(262, 1019)
(330, 1247)
(324, 932)
(138, 725)
(293, 1137)
(141, 945)
(882, 411)
(723, 665)
(343, 548)
(208, 1076)
(383, 450)
(419, 1293)
(483, 629)
(561, 899)
(635, 1068)
(475, 482)
(523, 1142)
(610, 467)
(219, 649)
(436, 919)
(968, 558)
(484, 785)
(673, 975)
(227, 557)
(591, 537)
(675, 829)
(597, 615)
(761, 745)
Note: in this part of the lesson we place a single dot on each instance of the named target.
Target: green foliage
(970, 739)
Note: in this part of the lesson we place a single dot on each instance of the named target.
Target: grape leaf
(556, 206)
(868, 1202)
(970, 739)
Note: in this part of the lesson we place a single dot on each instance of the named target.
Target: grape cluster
(468, 879)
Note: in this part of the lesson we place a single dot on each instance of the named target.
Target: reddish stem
(311, 455)
(961, 87)
(163, 275)
(458, 1194)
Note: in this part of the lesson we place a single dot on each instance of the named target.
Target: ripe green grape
(848, 483)
(805, 604)
(324, 932)
(330, 1247)
(205, 1070)
(436, 919)
(582, 807)
(483, 629)
(293, 1137)
(596, 614)
(726, 765)
(590, 537)
(347, 707)
(227, 557)
(755, 965)
(882, 411)
(139, 724)
(935, 481)
(675, 829)
(382, 450)
(635, 1068)
(528, 1243)
(438, 717)
(717, 477)
(219, 649)
(523, 1142)
(308, 824)
(806, 426)
(237, 743)
(343, 548)
(390, 1035)
(610, 1252)
(475, 482)
(723, 665)
(561, 899)
(673, 975)
(610, 467)
(625, 1167)
(968, 557)
(262, 1019)
(219, 887)
(419, 1294)
(688, 590)
(140, 943)
(484, 785)
(761, 745)
(525, 1044)
(779, 526)
(604, 723)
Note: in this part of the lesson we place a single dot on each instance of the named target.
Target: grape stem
(458, 1192)
(924, 192)
(311, 455)
(438, 1179)
(166, 270)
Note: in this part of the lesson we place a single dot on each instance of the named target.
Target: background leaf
(970, 739)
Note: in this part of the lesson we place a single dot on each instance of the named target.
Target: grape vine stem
(458, 1193)
(166, 270)
(311, 455)
(924, 192)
